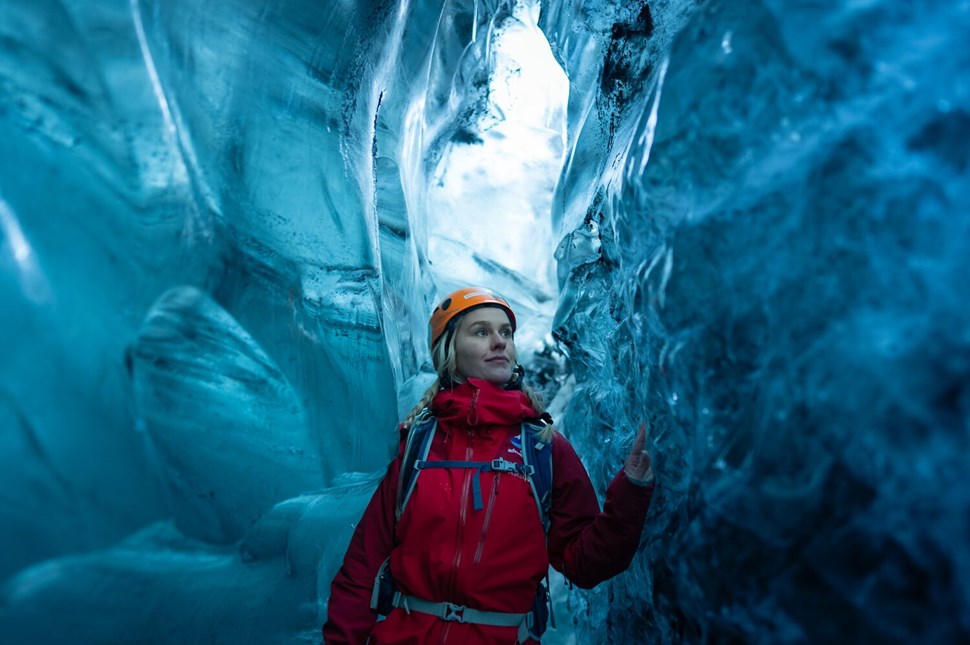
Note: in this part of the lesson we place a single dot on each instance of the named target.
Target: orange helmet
(458, 302)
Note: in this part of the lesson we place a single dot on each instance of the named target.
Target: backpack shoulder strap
(415, 449)
(538, 454)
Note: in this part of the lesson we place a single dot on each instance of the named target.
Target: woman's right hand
(638, 465)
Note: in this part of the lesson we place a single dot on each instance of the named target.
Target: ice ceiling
(222, 226)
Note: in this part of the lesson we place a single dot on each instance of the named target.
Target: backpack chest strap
(496, 465)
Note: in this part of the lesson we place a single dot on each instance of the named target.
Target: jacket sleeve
(589, 546)
(349, 616)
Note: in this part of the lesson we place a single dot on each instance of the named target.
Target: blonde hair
(444, 359)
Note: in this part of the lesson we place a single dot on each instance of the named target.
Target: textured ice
(222, 226)
(781, 235)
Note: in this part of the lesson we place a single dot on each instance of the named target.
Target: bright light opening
(489, 203)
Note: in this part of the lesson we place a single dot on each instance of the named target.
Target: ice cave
(223, 226)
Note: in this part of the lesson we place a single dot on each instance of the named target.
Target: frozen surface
(782, 235)
(222, 226)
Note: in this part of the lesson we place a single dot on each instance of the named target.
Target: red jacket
(493, 559)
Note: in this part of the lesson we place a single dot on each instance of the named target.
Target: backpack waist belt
(462, 614)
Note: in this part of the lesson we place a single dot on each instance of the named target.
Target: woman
(467, 552)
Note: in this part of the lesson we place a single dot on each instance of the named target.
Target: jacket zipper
(488, 518)
(462, 517)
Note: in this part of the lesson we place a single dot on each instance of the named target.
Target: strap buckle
(454, 612)
(506, 466)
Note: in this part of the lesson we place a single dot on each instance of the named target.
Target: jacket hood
(477, 403)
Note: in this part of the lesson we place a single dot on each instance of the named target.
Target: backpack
(536, 466)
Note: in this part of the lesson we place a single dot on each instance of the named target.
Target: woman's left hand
(637, 467)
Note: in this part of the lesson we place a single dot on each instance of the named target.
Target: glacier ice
(780, 235)
(222, 226)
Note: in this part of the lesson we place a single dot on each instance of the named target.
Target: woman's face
(483, 345)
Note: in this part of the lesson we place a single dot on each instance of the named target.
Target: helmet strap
(450, 334)
(518, 377)
(446, 381)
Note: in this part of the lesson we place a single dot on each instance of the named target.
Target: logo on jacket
(516, 447)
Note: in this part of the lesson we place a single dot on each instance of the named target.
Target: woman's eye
(507, 333)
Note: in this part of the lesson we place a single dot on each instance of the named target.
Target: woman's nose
(498, 340)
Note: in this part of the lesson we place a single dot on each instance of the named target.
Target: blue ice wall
(781, 230)
(195, 284)
(215, 275)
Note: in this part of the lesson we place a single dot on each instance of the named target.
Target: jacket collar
(478, 403)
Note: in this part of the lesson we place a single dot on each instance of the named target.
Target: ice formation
(222, 226)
